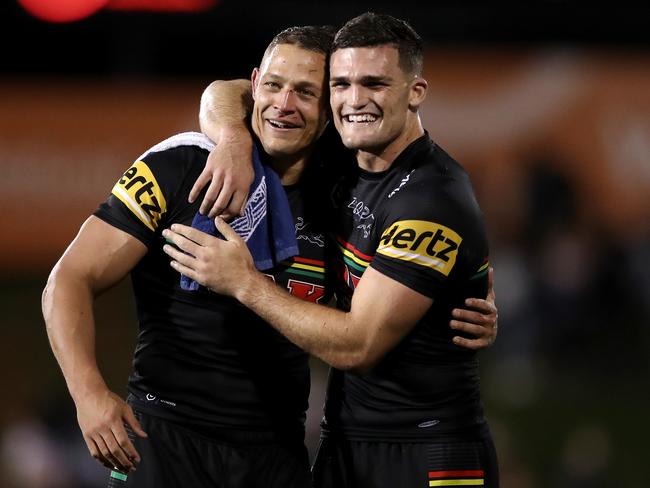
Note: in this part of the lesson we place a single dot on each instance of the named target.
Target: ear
(418, 93)
(255, 79)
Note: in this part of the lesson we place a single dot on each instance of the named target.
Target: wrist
(250, 287)
(235, 134)
(83, 389)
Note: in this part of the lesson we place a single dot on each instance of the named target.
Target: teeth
(361, 118)
(280, 125)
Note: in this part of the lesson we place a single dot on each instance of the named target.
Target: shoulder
(434, 184)
(182, 145)
(433, 199)
(183, 139)
(170, 161)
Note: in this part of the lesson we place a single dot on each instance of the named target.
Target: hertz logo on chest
(140, 192)
(419, 241)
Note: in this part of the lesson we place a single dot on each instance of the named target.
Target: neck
(376, 160)
(289, 171)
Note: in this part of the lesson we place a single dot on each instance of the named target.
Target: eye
(339, 84)
(305, 92)
(272, 85)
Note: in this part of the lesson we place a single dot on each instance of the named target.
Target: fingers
(222, 203)
(479, 323)
(238, 203)
(184, 269)
(121, 449)
(181, 262)
(187, 238)
(107, 450)
(199, 184)
(213, 195)
(482, 313)
(490, 294)
(235, 207)
(473, 344)
(226, 231)
(132, 422)
(478, 331)
(126, 449)
(96, 453)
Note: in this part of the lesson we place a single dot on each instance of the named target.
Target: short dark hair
(371, 29)
(317, 38)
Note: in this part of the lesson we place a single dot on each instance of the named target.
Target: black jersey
(201, 358)
(418, 223)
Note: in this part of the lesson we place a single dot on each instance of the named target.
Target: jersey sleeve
(433, 244)
(143, 197)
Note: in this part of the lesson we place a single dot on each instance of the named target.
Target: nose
(357, 96)
(287, 102)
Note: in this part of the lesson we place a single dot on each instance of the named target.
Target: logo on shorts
(421, 242)
(428, 423)
(140, 192)
(153, 398)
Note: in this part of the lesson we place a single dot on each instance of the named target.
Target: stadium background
(547, 104)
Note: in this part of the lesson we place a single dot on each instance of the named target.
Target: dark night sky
(235, 31)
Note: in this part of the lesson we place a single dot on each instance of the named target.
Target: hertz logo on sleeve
(139, 191)
(419, 241)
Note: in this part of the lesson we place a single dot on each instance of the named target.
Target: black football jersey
(202, 358)
(418, 223)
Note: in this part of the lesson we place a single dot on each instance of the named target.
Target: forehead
(292, 62)
(365, 61)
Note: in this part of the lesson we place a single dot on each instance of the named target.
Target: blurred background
(547, 105)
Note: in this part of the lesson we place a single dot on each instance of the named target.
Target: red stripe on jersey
(356, 252)
(309, 261)
(456, 474)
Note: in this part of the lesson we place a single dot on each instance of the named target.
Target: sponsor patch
(140, 192)
(419, 241)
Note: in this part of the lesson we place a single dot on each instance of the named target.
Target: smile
(281, 125)
(360, 118)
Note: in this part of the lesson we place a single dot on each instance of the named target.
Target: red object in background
(73, 10)
(62, 10)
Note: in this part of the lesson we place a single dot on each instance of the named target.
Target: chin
(356, 143)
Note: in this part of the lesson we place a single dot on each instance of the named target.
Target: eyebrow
(362, 80)
(298, 84)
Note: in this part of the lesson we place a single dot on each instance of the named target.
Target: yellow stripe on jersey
(318, 269)
(140, 192)
(468, 482)
(422, 242)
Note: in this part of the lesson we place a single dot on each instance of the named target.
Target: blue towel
(267, 223)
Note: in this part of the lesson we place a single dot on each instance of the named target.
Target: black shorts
(342, 463)
(173, 456)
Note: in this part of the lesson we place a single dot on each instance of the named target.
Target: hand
(101, 418)
(221, 265)
(480, 322)
(229, 169)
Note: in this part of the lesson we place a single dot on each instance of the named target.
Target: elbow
(48, 291)
(360, 360)
(46, 297)
(364, 364)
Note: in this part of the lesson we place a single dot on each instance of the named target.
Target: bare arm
(382, 310)
(479, 319)
(225, 106)
(98, 258)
